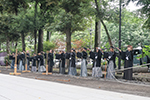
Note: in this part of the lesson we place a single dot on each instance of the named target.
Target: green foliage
(48, 45)
(19, 49)
(6, 28)
(146, 50)
(12, 6)
(144, 10)
(132, 32)
(70, 15)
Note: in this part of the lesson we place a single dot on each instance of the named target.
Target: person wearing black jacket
(50, 61)
(72, 65)
(84, 63)
(33, 59)
(96, 57)
(111, 58)
(62, 63)
(128, 57)
(61, 56)
(21, 57)
(41, 67)
(11, 57)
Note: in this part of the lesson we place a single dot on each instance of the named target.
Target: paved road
(19, 88)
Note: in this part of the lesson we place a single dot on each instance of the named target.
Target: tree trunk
(16, 44)
(99, 34)
(23, 41)
(48, 36)
(40, 40)
(96, 36)
(12, 44)
(108, 36)
(7, 46)
(68, 44)
(68, 40)
(35, 41)
(35, 27)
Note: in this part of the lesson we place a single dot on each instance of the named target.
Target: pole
(119, 60)
(26, 65)
(15, 67)
(90, 38)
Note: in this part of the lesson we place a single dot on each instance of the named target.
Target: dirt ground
(130, 87)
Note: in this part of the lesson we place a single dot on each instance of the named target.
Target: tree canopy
(27, 24)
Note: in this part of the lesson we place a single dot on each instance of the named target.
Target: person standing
(11, 57)
(62, 63)
(18, 58)
(84, 63)
(128, 58)
(50, 61)
(96, 56)
(58, 57)
(21, 58)
(41, 67)
(111, 58)
(33, 59)
(72, 64)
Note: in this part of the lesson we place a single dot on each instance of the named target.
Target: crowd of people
(38, 61)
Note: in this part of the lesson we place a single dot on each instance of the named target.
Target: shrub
(48, 45)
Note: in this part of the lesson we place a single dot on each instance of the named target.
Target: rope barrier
(132, 67)
(126, 82)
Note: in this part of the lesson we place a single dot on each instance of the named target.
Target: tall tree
(70, 18)
(23, 41)
(7, 32)
(99, 15)
(45, 8)
(35, 26)
(12, 6)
